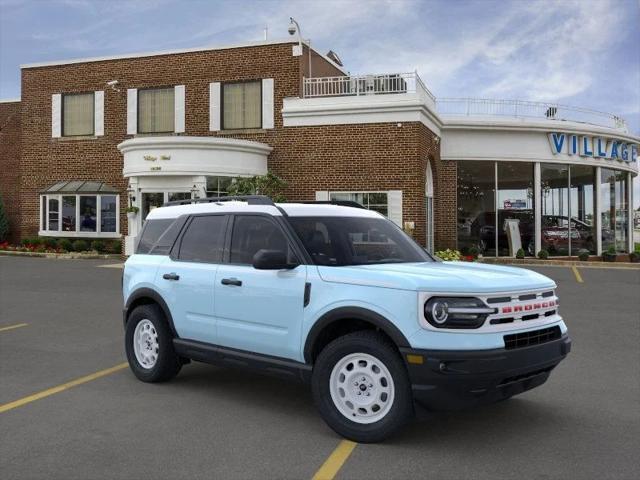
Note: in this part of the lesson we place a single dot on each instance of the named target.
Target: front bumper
(454, 379)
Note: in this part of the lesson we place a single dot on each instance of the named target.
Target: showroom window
(242, 105)
(614, 209)
(156, 110)
(78, 114)
(377, 201)
(79, 209)
(515, 206)
(477, 207)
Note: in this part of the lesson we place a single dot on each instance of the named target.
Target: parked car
(483, 229)
(555, 234)
(338, 297)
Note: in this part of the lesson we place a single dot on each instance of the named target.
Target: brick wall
(10, 164)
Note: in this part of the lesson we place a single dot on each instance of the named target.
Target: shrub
(520, 253)
(449, 255)
(80, 246)
(474, 252)
(115, 246)
(583, 255)
(98, 246)
(543, 254)
(34, 241)
(611, 250)
(51, 243)
(65, 244)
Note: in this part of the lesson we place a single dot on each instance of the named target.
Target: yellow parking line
(577, 274)
(334, 463)
(51, 391)
(11, 327)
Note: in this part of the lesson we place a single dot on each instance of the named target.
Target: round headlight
(439, 311)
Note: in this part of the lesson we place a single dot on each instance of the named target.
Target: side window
(253, 233)
(151, 233)
(204, 239)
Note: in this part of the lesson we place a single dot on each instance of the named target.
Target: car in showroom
(341, 298)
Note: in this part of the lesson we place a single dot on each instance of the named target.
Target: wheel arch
(146, 296)
(345, 320)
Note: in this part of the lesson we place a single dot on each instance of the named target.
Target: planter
(131, 216)
(634, 257)
(609, 257)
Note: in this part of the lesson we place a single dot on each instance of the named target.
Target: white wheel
(362, 388)
(145, 344)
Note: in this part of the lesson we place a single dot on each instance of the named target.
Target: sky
(577, 52)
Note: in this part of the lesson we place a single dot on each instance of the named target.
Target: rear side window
(151, 232)
(203, 241)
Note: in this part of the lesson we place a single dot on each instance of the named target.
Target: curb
(562, 263)
(62, 256)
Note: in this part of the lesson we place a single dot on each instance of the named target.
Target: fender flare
(157, 298)
(352, 313)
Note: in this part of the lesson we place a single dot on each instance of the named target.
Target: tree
(270, 185)
(4, 222)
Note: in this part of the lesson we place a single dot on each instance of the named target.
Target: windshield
(340, 241)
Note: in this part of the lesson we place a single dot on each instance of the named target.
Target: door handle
(231, 281)
(171, 276)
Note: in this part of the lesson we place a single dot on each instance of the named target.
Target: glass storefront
(614, 208)
(496, 207)
(477, 207)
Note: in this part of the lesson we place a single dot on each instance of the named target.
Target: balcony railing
(383, 84)
(525, 109)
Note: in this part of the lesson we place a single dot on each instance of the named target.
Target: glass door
(151, 200)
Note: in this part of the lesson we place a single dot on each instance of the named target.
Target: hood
(449, 277)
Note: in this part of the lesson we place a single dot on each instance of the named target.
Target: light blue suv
(339, 297)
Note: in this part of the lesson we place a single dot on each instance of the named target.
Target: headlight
(456, 312)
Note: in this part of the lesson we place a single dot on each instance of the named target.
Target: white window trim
(77, 233)
(56, 115)
(214, 107)
(98, 113)
(179, 109)
(132, 111)
(268, 108)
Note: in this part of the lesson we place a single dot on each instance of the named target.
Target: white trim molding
(214, 106)
(98, 118)
(56, 115)
(183, 155)
(179, 109)
(268, 107)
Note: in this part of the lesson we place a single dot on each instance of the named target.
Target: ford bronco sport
(341, 298)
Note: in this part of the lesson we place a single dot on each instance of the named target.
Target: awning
(80, 186)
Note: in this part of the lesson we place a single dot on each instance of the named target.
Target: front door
(187, 280)
(259, 310)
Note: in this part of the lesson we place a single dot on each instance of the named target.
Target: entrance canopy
(79, 186)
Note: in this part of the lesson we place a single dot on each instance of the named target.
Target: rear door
(259, 310)
(187, 277)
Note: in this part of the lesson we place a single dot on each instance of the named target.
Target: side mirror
(272, 260)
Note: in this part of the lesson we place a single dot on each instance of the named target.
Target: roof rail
(250, 199)
(342, 203)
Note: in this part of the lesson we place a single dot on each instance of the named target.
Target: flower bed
(47, 245)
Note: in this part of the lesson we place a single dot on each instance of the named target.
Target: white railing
(356, 85)
(525, 109)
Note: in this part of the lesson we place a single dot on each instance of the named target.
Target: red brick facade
(333, 157)
(10, 164)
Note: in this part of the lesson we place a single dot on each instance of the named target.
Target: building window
(477, 207)
(156, 110)
(78, 114)
(218, 186)
(516, 215)
(242, 105)
(377, 201)
(614, 197)
(76, 215)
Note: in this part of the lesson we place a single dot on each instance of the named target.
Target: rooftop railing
(357, 85)
(526, 109)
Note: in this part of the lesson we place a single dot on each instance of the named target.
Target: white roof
(292, 209)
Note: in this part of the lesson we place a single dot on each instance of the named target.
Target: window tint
(253, 233)
(151, 232)
(204, 239)
(338, 241)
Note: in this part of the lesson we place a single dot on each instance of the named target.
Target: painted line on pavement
(112, 265)
(11, 327)
(333, 464)
(60, 388)
(577, 274)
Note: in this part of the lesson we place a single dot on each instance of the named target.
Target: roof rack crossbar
(342, 203)
(250, 199)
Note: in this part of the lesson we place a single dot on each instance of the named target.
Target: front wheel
(361, 387)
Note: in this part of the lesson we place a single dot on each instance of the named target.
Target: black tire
(168, 364)
(378, 346)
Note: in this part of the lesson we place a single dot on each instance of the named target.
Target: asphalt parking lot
(60, 320)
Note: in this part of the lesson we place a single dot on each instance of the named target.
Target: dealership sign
(596, 147)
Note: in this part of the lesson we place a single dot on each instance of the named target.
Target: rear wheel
(361, 387)
(149, 345)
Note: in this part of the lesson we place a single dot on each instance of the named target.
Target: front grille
(524, 376)
(535, 337)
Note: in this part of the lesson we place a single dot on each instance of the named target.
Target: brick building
(91, 137)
